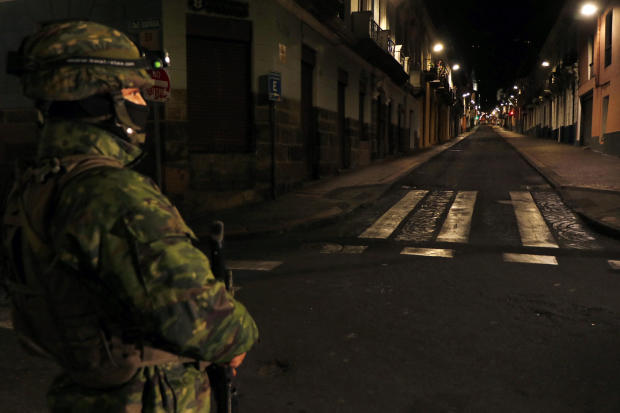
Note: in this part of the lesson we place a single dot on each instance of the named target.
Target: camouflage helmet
(76, 59)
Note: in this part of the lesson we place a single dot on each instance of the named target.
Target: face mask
(139, 114)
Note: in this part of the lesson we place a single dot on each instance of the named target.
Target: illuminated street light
(438, 47)
(456, 67)
(546, 63)
(465, 94)
(515, 87)
(589, 9)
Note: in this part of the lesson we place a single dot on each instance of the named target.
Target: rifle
(221, 376)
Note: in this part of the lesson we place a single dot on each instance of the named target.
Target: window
(361, 5)
(608, 24)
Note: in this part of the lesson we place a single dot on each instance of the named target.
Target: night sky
(499, 39)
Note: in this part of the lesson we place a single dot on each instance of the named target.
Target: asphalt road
(348, 329)
(352, 324)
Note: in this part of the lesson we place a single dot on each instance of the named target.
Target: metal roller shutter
(218, 95)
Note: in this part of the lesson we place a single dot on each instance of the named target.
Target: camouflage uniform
(114, 225)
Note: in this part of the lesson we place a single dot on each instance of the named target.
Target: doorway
(585, 134)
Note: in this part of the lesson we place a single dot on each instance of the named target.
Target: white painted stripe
(615, 265)
(532, 227)
(253, 265)
(530, 259)
(384, 226)
(331, 249)
(428, 252)
(354, 249)
(458, 222)
(342, 249)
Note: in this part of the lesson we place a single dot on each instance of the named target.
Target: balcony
(363, 25)
(376, 45)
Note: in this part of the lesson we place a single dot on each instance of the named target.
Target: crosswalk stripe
(428, 252)
(458, 222)
(253, 265)
(422, 225)
(385, 226)
(342, 249)
(530, 259)
(532, 227)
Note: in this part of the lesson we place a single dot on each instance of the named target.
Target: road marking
(354, 249)
(422, 225)
(563, 222)
(530, 259)
(253, 265)
(342, 249)
(458, 222)
(385, 226)
(428, 252)
(532, 227)
(615, 265)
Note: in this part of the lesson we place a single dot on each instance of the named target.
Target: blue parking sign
(274, 85)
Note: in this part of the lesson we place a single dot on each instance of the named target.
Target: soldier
(105, 279)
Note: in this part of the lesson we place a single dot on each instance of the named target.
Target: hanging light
(588, 9)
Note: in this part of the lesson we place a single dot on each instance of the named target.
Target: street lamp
(438, 47)
(515, 87)
(546, 63)
(456, 67)
(589, 9)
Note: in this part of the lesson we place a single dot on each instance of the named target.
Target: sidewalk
(319, 202)
(588, 181)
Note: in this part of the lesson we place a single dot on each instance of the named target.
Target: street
(352, 324)
(422, 302)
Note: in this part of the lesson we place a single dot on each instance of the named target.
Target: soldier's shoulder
(114, 184)
(110, 194)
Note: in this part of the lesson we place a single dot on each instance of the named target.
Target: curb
(553, 179)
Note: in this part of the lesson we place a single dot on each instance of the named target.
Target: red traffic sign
(160, 92)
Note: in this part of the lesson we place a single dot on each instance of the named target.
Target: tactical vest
(58, 312)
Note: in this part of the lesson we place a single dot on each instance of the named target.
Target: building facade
(575, 99)
(599, 80)
(266, 95)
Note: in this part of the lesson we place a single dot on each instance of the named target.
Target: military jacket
(115, 224)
